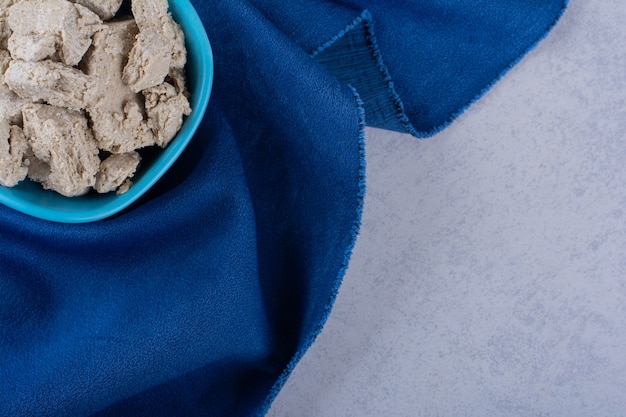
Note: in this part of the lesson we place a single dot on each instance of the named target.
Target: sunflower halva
(82, 90)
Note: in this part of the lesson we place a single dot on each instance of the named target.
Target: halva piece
(5, 31)
(149, 61)
(165, 108)
(81, 93)
(61, 139)
(13, 149)
(116, 112)
(10, 103)
(153, 15)
(51, 29)
(160, 45)
(106, 9)
(50, 82)
(115, 170)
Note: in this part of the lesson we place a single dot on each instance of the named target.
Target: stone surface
(489, 278)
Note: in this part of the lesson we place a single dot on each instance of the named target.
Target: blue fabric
(200, 299)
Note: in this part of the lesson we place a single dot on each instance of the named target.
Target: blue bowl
(30, 198)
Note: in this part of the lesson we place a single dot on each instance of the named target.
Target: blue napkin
(201, 298)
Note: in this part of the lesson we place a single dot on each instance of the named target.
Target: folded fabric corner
(439, 56)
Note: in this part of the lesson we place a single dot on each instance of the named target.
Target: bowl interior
(30, 198)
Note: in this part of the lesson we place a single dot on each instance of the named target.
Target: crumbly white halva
(81, 94)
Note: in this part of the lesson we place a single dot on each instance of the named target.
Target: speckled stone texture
(490, 275)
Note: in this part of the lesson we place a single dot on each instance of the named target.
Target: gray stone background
(489, 278)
